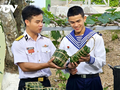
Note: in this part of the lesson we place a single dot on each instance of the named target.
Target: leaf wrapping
(61, 57)
(82, 52)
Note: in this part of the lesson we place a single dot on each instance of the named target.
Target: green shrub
(107, 50)
(63, 78)
(114, 36)
(114, 3)
(105, 88)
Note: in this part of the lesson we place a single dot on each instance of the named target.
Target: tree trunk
(17, 13)
(9, 27)
(12, 29)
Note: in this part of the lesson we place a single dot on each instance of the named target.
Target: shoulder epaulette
(99, 33)
(20, 37)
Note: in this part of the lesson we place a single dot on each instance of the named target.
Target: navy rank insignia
(26, 37)
(20, 37)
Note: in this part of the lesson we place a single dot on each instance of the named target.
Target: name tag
(40, 79)
(30, 50)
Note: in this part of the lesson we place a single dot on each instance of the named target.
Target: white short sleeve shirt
(28, 50)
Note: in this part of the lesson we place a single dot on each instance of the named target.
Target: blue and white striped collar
(87, 35)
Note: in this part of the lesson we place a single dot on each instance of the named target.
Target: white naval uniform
(43, 50)
(98, 53)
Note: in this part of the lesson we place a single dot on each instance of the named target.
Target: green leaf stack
(37, 86)
(34, 86)
(61, 57)
(82, 52)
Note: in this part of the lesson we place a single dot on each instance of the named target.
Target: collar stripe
(87, 35)
(73, 41)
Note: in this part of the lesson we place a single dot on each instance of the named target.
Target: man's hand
(85, 59)
(73, 71)
(51, 64)
(72, 65)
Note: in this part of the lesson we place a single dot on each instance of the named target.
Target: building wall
(63, 3)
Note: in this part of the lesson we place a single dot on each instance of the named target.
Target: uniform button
(37, 51)
(39, 60)
(46, 51)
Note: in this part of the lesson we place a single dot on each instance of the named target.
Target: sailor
(32, 51)
(86, 75)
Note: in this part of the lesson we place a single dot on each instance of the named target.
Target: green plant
(51, 18)
(55, 35)
(63, 78)
(114, 36)
(107, 50)
(112, 10)
(105, 88)
(114, 3)
(97, 1)
(108, 17)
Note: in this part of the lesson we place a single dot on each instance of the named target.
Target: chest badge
(45, 45)
(30, 50)
(68, 47)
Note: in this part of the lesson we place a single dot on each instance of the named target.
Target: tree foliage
(51, 18)
(108, 17)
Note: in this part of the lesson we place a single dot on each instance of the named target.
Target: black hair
(30, 11)
(75, 10)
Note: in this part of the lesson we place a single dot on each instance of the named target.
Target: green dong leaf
(117, 15)
(55, 34)
(58, 71)
(89, 20)
(112, 10)
(60, 85)
(46, 19)
(47, 13)
(67, 75)
(55, 43)
(103, 19)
